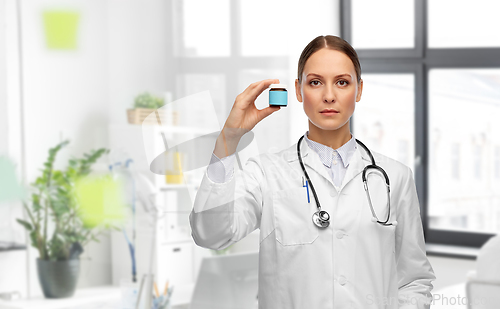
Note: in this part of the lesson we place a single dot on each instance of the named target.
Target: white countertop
(452, 297)
(105, 297)
(108, 297)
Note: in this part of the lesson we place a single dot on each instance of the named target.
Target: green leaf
(53, 196)
(26, 224)
(61, 238)
(33, 238)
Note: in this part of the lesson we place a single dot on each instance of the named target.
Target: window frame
(420, 61)
(230, 66)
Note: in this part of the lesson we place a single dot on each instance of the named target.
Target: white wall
(3, 79)
(12, 263)
(65, 97)
(139, 43)
(76, 94)
(66, 92)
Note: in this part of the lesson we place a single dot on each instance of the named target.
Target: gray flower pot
(58, 278)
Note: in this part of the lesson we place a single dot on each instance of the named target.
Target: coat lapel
(356, 166)
(314, 162)
(359, 160)
(311, 160)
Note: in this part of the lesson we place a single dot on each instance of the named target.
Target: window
(447, 28)
(455, 161)
(387, 30)
(497, 163)
(198, 28)
(272, 13)
(384, 116)
(452, 96)
(477, 161)
(225, 45)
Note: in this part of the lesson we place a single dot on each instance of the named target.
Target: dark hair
(330, 42)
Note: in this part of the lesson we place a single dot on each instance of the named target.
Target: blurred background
(71, 70)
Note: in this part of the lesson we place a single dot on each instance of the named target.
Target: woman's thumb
(268, 111)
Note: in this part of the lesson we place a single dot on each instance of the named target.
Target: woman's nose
(329, 95)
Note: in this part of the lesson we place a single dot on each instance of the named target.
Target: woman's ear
(298, 94)
(360, 90)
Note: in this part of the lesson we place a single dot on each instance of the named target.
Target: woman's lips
(329, 112)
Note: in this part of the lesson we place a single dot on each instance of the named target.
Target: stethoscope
(321, 218)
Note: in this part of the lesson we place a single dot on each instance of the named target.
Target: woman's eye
(314, 82)
(343, 82)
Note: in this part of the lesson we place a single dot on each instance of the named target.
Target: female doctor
(325, 241)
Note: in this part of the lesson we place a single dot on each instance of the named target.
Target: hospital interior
(110, 109)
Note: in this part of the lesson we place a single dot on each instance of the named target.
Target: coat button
(342, 280)
(340, 235)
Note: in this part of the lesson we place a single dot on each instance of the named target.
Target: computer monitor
(227, 282)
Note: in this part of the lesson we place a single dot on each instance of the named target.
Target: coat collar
(359, 160)
(327, 154)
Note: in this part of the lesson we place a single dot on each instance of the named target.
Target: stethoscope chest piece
(321, 219)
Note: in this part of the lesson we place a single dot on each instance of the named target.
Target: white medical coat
(354, 263)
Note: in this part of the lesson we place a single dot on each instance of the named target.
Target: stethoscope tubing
(364, 175)
(307, 176)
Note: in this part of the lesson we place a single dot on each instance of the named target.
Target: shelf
(186, 130)
(166, 187)
(182, 241)
(452, 251)
(166, 129)
(7, 246)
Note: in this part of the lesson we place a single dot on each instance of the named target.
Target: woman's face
(329, 89)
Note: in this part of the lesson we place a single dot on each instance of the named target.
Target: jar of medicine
(278, 96)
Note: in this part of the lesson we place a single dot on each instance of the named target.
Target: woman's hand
(243, 117)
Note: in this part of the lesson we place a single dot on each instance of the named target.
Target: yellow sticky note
(101, 200)
(61, 29)
(10, 189)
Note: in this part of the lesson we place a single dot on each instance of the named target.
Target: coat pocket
(293, 217)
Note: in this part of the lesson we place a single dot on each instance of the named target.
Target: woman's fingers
(263, 85)
(263, 113)
(244, 114)
(254, 90)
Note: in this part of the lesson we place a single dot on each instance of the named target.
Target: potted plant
(55, 225)
(146, 103)
(147, 100)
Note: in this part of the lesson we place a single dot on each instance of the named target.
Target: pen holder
(173, 173)
(158, 303)
(129, 291)
(163, 301)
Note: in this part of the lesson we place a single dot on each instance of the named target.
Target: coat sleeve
(415, 273)
(224, 213)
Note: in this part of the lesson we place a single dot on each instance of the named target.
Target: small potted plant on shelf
(145, 104)
(55, 224)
